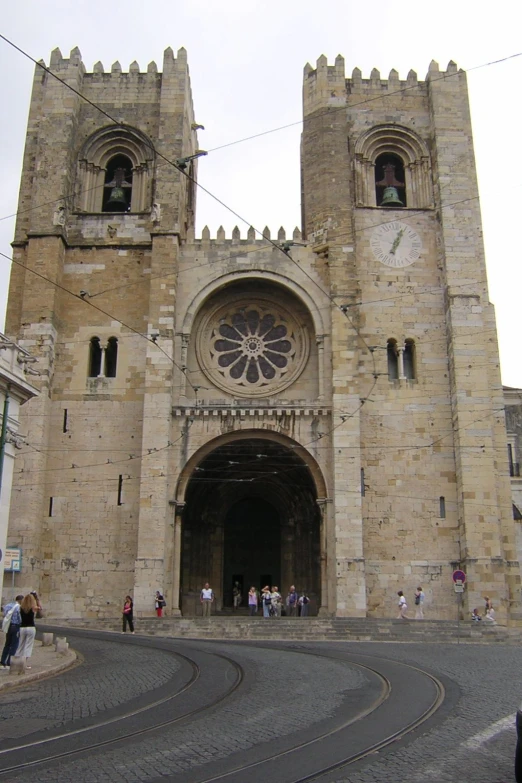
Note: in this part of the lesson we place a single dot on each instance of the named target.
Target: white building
(15, 365)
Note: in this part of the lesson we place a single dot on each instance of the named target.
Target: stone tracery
(253, 347)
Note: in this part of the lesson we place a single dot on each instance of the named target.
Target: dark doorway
(251, 516)
(252, 547)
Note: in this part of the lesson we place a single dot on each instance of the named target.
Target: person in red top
(128, 618)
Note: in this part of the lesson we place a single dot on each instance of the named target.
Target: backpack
(267, 599)
(417, 599)
(305, 599)
(6, 622)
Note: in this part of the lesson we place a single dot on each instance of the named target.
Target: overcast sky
(246, 60)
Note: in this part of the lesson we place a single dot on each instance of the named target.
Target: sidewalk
(43, 662)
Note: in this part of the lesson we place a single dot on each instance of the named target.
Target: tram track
(119, 720)
(302, 762)
(263, 766)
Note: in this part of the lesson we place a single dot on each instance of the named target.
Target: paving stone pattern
(491, 689)
(111, 675)
(290, 692)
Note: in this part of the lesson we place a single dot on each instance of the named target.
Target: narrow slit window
(409, 360)
(95, 356)
(50, 507)
(442, 507)
(363, 488)
(393, 360)
(64, 426)
(120, 490)
(111, 357)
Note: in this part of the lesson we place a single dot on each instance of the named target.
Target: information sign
(13, 560)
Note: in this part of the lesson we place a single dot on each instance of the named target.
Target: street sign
(459, 586)
(459, 576)
(13, 560)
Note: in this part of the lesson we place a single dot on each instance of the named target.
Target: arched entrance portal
(251, 516)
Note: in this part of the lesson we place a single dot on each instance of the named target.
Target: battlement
(59, 63)
(327, 85)
(252, 237)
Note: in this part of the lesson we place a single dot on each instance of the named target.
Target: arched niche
(400, 144)
(94, 161)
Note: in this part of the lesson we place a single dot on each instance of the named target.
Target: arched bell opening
(117, 191)
(251, 516)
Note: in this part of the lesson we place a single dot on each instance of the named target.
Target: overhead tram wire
(205, 190)
(100, 310)
(329, 112)
(182, 171)
(246, 138)
(234, 452)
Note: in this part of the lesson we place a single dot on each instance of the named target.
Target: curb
(67, 661)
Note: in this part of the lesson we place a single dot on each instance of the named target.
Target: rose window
(257, 348)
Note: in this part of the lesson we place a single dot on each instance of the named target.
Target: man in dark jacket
(13, 632)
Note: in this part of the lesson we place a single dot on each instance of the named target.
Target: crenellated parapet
(326, 86)
(267, 237)
(171, 63)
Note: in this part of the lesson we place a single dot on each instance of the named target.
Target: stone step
(312, 629)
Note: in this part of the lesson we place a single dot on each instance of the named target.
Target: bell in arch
(390, 198)
(391, 186)
(117, 201)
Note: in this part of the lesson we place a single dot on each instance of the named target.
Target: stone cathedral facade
(321, 408)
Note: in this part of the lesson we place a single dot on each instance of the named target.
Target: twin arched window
(401, 360)
(392, 169)
(115, 172)
(103, 359)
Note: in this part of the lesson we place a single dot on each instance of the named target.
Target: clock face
(396, 244)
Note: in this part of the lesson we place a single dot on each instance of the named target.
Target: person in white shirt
(403, 607)
(207, 598)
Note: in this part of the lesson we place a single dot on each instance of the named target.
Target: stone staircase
(310, 629)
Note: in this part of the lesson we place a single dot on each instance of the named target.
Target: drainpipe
(3, 434)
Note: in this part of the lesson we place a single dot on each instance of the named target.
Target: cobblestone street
(290, 694)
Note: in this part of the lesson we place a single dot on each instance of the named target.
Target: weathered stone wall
(410, 473)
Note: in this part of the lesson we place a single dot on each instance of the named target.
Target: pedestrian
(266, 598)
(489, 613)
(12, 634)
(277, 600)
(28, 607)
(237, 595)
(207, 599)
(291, 602)
(304, 603)
(403, 607)
(128, 614)
(419, 603)
(39, 610)
(159, 603)
(252, 601)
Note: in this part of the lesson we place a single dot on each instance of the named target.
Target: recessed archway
(251, 515)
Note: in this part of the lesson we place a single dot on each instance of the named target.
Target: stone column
(325, 504)
(176, 571)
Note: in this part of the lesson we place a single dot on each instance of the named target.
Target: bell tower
(389, 194)
(103, 213)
